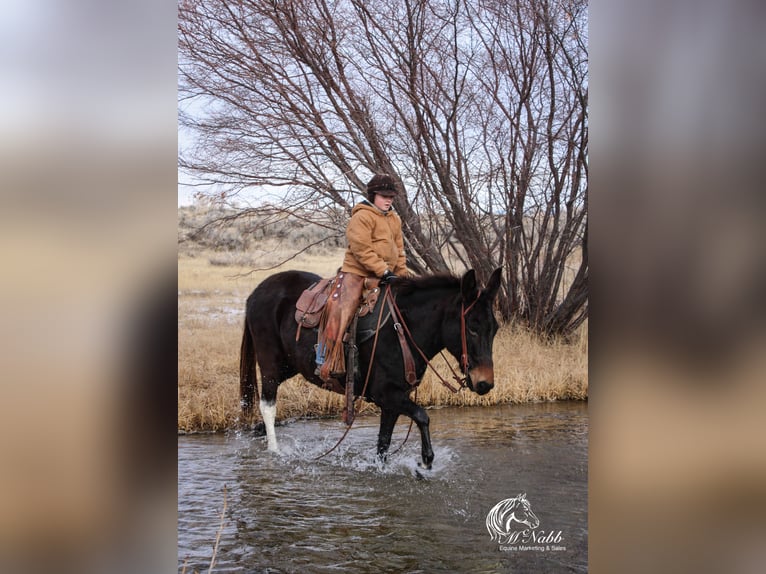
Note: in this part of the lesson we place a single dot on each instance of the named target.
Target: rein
(461, 381)
(366, 381)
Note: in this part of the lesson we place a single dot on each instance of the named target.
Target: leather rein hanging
(409, 364)
(400, 326)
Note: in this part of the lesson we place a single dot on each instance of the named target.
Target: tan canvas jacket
(374, 242)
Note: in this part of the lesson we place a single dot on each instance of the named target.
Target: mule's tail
(248, 384)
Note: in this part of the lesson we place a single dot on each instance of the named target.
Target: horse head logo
(505, 512)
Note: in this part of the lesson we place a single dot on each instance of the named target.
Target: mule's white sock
(269, 414)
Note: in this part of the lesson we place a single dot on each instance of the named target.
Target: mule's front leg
(421, 419)
(387, 422)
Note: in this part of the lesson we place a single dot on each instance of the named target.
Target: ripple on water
(290, 512)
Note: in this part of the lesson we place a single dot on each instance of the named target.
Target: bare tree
(535, 136)
(479, 109)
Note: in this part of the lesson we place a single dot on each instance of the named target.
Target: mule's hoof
(424, 466)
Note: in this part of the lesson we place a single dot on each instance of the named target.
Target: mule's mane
(442, 281)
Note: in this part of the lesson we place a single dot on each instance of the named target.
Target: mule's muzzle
(481, 380)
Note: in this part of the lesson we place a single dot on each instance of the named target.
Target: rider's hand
(387, 278)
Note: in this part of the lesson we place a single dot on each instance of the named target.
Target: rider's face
(383, 202)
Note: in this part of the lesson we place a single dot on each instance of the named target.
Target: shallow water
(347, 512)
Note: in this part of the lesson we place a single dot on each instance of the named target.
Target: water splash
(289, 510)
(300, 446)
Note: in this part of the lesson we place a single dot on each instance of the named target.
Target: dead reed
(217, 538)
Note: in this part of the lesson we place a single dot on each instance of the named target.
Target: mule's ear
(468, 285)
(494, 283)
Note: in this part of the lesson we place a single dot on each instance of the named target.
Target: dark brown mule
(431, 307)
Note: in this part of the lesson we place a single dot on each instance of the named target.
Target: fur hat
(382, 184)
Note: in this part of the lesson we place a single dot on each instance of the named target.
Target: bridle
(399, 323)
(463, 340)
(464, 364)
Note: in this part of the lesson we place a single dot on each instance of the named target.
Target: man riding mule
(375, 254)
(431, 312)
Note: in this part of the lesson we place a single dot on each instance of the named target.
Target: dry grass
(212, 289)
(211, 301)
(526, 369)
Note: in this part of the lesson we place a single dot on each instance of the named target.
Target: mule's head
(473, 346)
